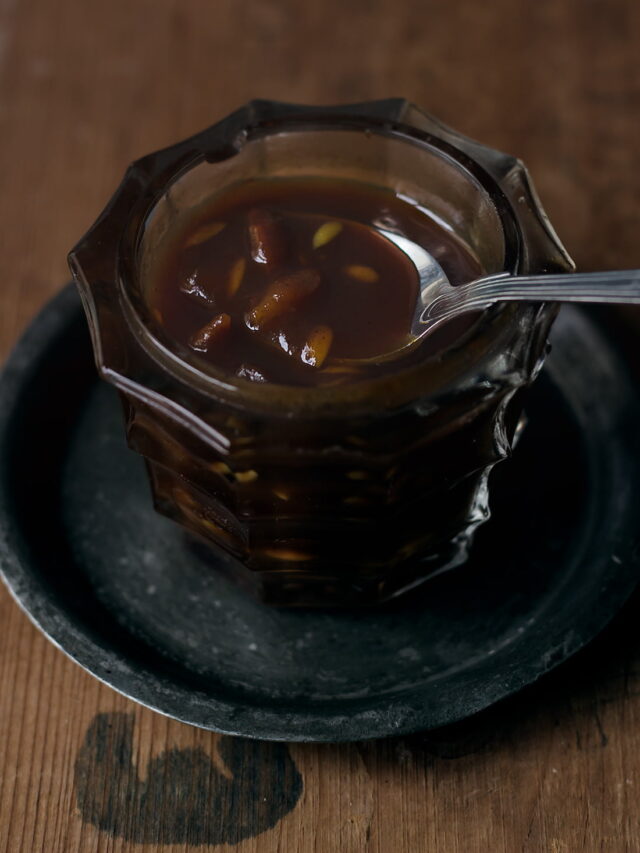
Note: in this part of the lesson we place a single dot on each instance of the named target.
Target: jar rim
(366, 392)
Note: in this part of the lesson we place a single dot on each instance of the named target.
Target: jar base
(307, 589)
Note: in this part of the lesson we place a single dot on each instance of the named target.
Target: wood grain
(87, 87)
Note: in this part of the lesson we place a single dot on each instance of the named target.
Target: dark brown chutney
(284, 280)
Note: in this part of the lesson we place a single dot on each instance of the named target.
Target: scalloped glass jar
(337, 495)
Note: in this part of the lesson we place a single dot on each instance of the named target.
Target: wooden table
(87, 87)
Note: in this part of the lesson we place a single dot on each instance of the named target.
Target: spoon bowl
(439, 301)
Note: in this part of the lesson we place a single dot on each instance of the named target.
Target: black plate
(122, 592)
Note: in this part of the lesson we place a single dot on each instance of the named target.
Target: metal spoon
(439, 301)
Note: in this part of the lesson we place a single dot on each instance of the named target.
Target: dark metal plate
(121, 591)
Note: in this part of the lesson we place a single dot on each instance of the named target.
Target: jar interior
(417, 172)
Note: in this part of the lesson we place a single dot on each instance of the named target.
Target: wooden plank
(85, 88)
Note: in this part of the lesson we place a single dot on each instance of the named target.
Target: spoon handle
(622, 286)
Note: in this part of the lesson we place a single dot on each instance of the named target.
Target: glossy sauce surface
(284, 280)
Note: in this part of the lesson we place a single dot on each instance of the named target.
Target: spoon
(439, 301)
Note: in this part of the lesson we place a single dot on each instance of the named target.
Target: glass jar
(328, 495)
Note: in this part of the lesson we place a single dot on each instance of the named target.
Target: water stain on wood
(182, 797)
